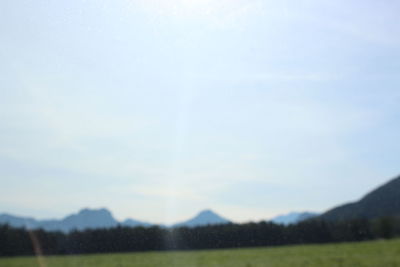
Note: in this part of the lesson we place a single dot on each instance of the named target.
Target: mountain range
(86, 218)
(383, 201)
(101, 218)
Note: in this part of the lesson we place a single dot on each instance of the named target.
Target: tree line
(18, 241)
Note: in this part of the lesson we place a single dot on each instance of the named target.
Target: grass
(375, 253)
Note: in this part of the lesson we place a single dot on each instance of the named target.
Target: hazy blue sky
(158, 109)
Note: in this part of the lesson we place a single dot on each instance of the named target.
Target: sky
(158, 109)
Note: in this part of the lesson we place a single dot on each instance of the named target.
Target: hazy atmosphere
(157, 111)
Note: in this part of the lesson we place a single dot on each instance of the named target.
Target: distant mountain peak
(204, 217)
(89, 211)
(293, 217)
(99, 213)
(206, 212)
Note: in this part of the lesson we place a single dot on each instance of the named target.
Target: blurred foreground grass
(376, 253)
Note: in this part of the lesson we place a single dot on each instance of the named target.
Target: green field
(377, 253)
